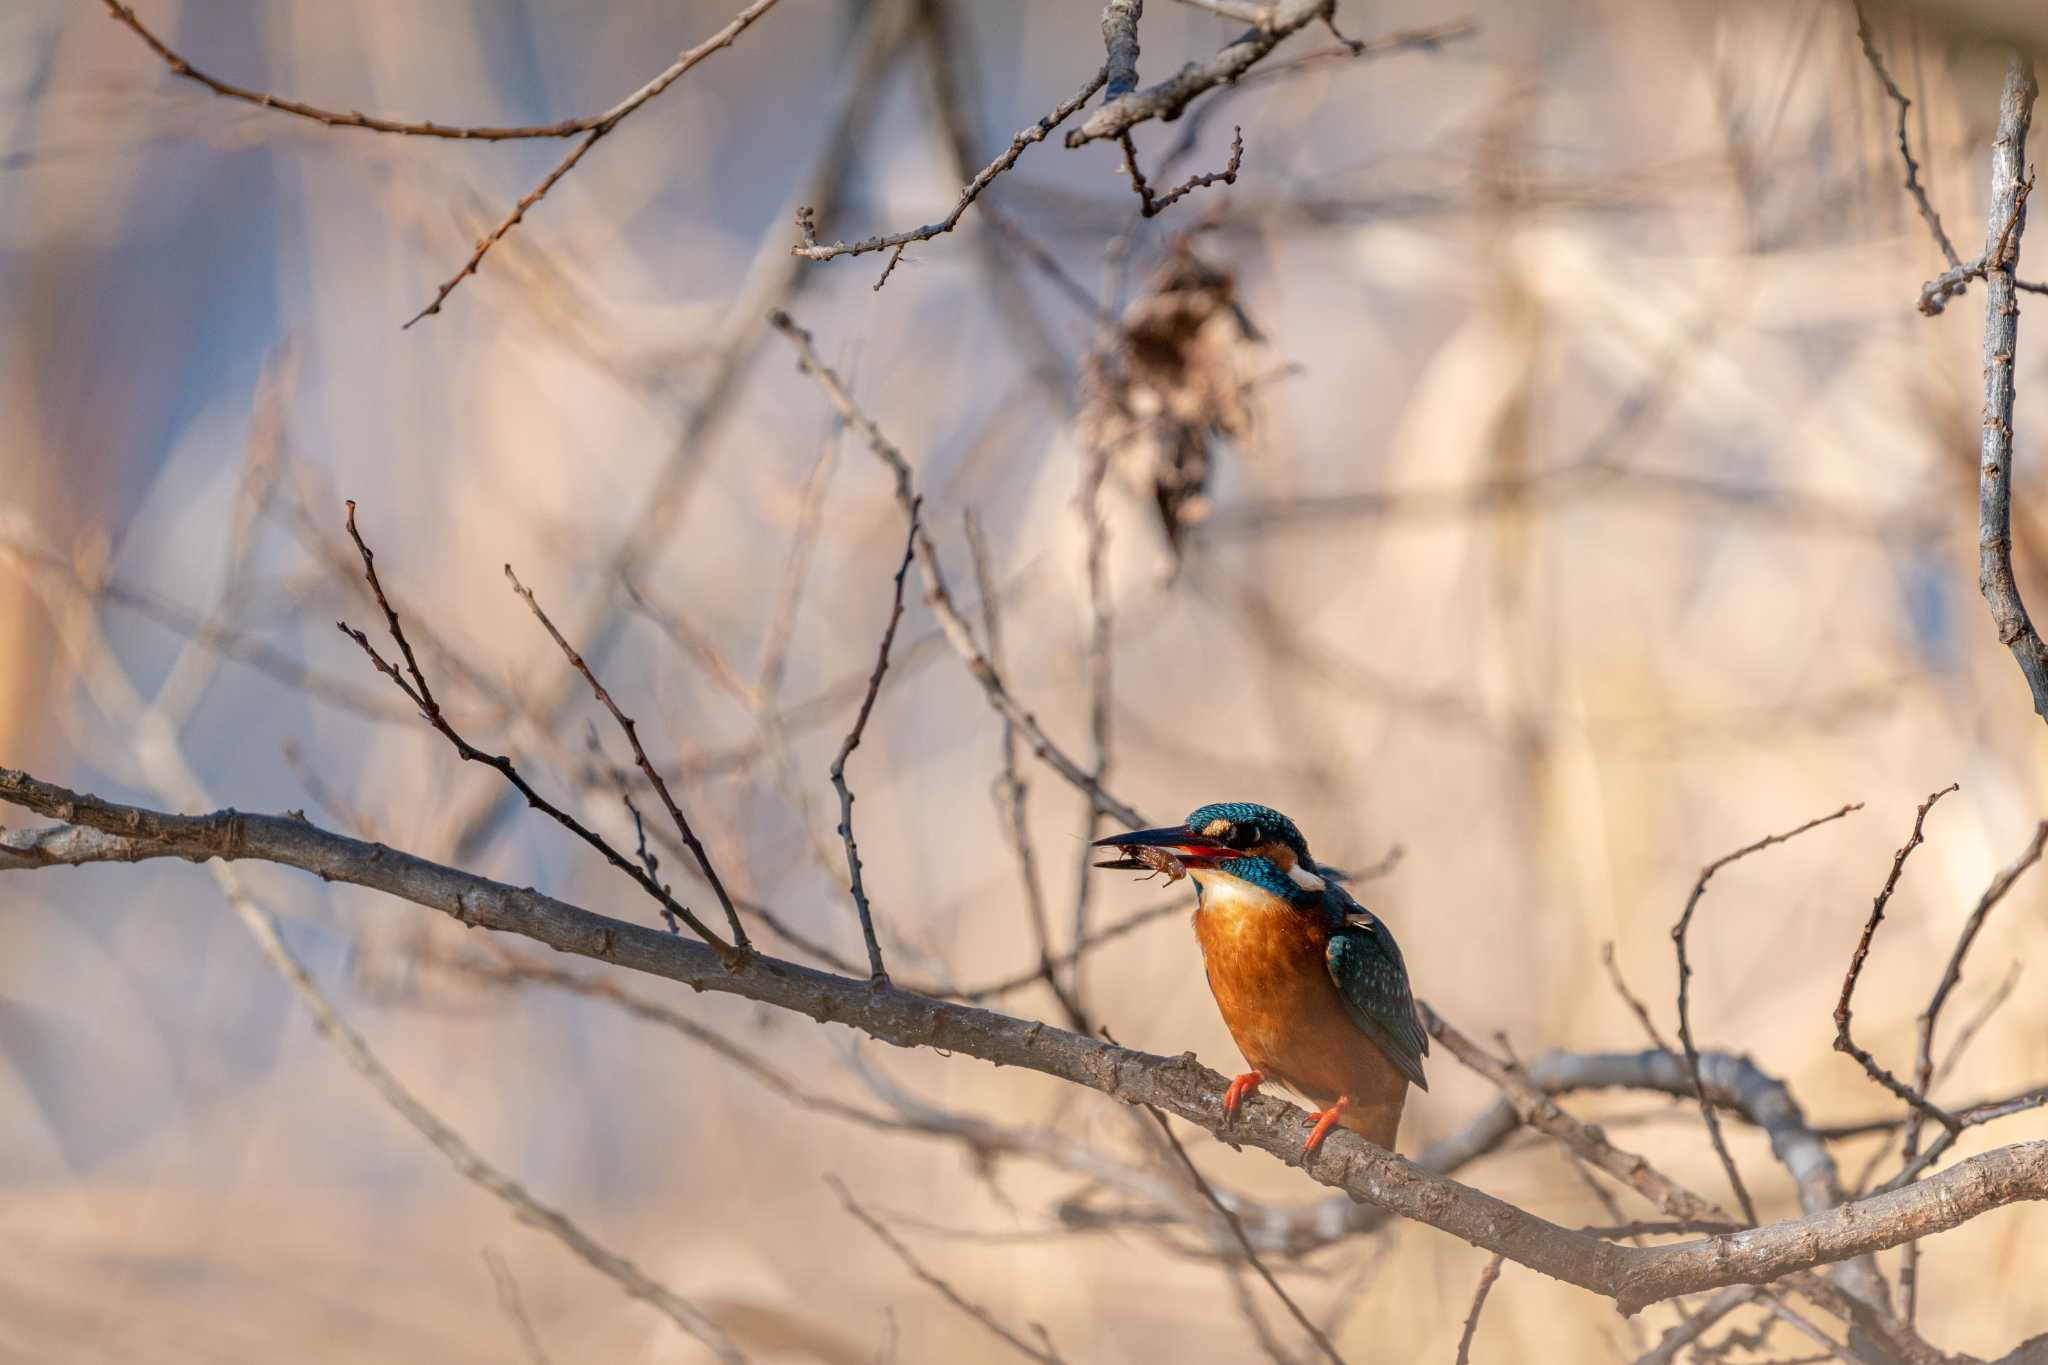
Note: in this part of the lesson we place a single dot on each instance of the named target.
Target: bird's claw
(1241, 1089)
(1323, 1120)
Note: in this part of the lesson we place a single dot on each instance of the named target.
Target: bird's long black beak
(1192, 849)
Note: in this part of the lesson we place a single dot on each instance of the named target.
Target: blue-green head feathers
(1257, 830)
(1245, 824)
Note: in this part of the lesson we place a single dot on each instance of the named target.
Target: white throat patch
(1303, 878)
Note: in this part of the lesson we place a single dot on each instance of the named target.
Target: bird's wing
(1365, 962)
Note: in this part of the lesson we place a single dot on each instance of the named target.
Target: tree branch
(1633, 1277)
(2007, 224)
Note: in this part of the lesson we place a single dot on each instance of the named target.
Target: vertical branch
(1011, 789)
(1098, 685)
(1487, 1277)
(1844, 1042)
(2008, 221)
(1692, 1052)
(876, 974)
(1120, 43)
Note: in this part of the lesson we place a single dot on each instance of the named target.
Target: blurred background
(1581, 497)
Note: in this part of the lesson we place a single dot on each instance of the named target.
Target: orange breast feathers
(1271, 981)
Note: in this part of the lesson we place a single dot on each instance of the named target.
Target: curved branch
(354, 118)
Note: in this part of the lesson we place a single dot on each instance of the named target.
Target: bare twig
(810, 248)
(1923, 1068)
(263, 99)
(1236, 1225)
(1046, 1355)
(1628, 998)
(2001, 343)
(876, 974)
(1898, 97)
(632, 732)
(937, 596)
(1488, 1275)
(1152, 204)
(1843, 1041)
(1692, 1054)
(413, 683)
(603, 125)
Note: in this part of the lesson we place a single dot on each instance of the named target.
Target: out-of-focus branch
(2007, 224)
(1045, 1355)
(1236, 1225)
(1692, 1055)
(1488, 1277)
(263, 99)
(603, 125)
(937, 595)
(1167, 99)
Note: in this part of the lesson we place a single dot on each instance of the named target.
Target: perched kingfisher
(1310, 982)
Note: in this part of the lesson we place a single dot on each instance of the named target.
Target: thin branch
(1898, 97)
(415, 687)
(1843, 1041)
(1487, 1278)
(632, 732)
(1633, 1277)
(1230, 1217)
(514, 1305)
(937, 596)
(2001, 344)
(1692, 1054)
(1629, 998)
(604, 123)
(1046, 1356)
(1923, 1068)
(810, 248)
(1011, 793)
(876, 974)
(1151, 204)
(263, 99)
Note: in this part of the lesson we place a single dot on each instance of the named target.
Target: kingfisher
(1310, 983)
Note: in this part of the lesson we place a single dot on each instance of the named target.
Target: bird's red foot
(1241, 1089)
(1324, 1120)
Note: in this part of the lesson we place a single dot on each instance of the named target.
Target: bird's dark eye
(1245, 836)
